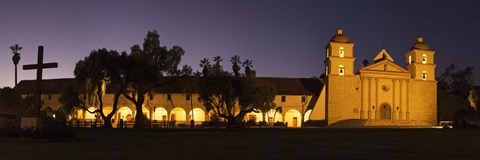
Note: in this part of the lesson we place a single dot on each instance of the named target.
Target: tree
(70, 100)
(266, 96)
(16, 58)
(221, 91)
(365, 63)
(102, 70)
(9, 100)
(146, 70)
(474, 99)
(456, 80)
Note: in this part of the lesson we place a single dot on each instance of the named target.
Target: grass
(253, 144)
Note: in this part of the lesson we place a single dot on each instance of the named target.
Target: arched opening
(160, 114)
(77, 113)
(292, 117)
(146, 112)
(178, 114)
(106, 110)
(198, 115)
(125, 114)
(274, 117)
(424, 75)
(341, 70)
(385, 112)
(341, 52)
(253, 117)
(307, 115)
(89, 115)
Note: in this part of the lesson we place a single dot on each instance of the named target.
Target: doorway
(385, 112)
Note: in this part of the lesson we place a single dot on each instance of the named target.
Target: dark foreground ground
(253, 144)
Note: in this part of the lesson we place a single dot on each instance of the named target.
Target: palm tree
(16, 58)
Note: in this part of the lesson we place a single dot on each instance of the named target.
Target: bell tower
(420, 61)
(341, 85)
(339, 56)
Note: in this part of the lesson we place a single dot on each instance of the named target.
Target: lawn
(253, 144)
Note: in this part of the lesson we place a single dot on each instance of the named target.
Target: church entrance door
(385, 112)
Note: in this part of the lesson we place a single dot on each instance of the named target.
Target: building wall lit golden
(380, 94)
(383, 90)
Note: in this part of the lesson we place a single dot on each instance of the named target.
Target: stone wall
(422, 101)
(343, 98)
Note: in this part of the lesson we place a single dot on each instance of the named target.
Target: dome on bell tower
(339, 37)
(420, 45)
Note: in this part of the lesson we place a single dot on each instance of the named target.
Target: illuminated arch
(424, 75)
(89, 115)
(257, 117)
(160, 114)
(125, 113)
(307, 115)
(106, 110)
(424, 59)
(341, 52)
(198, 114)
(178, 114)
(293, 118)
(341, 70)
(274, 117)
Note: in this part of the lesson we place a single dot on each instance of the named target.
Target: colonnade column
(364, 94)
(394, 104)
(402, 107)
(408, 103)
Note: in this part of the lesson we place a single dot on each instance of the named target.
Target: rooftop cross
(39, 67)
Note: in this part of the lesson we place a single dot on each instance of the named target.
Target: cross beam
(38, 83)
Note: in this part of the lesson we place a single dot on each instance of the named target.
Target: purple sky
(283, 38)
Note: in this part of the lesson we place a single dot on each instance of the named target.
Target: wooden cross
(39, 67)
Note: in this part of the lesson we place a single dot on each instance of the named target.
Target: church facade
(380, 94)
(383, 91)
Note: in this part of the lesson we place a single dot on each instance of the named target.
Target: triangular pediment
(384, 65)
(383, 55)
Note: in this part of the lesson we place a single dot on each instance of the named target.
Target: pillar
(377, 113)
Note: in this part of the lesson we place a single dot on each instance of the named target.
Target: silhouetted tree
(146, 70)
(365, 63)
(220, 91)
(456, 80)
(102, 70)
(9, 100)
(70, 99)
(236, 65)
(16, 58)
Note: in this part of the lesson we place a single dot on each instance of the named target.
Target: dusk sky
(283, 38)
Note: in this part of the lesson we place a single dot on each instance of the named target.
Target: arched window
(341, 70)
(424, 75)
(409, 59)
(341, 52)
(424, 59)
(385, 67)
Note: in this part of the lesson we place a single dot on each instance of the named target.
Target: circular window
(385, 88)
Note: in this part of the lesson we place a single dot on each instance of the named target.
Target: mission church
(381, 94)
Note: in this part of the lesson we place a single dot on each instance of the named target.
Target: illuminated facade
(383, 91)
(295, 96)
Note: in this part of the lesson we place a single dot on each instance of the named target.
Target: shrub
(279, 124)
